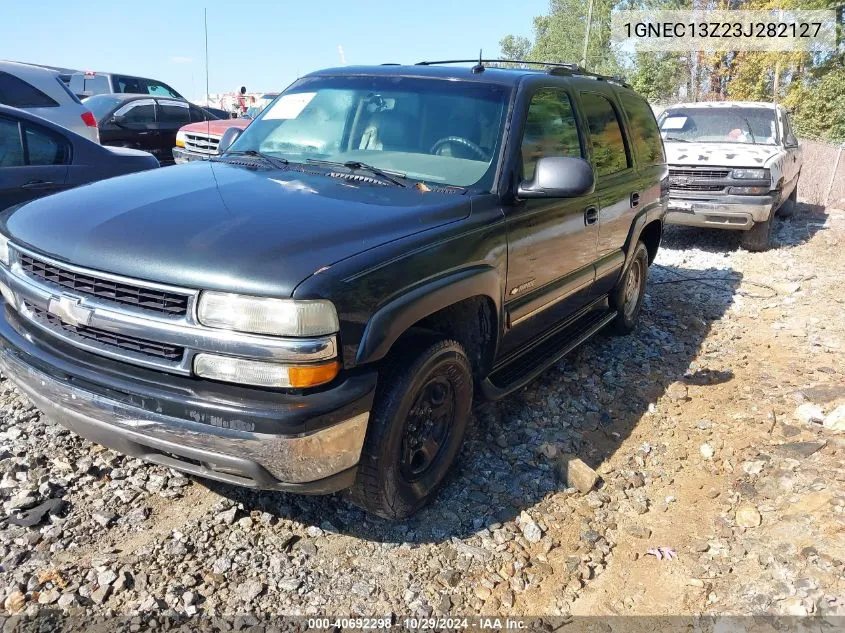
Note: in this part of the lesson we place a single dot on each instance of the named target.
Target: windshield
(444, 132)
(101, 105)
(720, 125)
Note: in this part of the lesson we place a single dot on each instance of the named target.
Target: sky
(263, 44)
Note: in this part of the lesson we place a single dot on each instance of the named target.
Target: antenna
(205, 24)
(341, 54)
(479, 68)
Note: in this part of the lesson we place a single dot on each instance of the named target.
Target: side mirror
(229, 136)
(119, 120)
(559, 177)
(790, 141)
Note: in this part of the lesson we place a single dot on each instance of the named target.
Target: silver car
(42, 92)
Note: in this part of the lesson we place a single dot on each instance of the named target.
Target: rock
(531, 531)
(227, 516)
(99, 595)
(137, 515)
(753, 468)
(23, 501)
(677, 392)
(802, 449)
(577, 474)
(748, 516)
(289, 584)
(793, 606)
(49, 596)
(313, 531)
(835, 420)
(809, 413)
(67, 599)
(362, 589)
(103, 518)
(188, 598)
(14, 602)
(106, 577)
(639, 531)
(449, 578)
(221, 565)
(150, 603)
(695, 582)
(250, 590)
(707, 451)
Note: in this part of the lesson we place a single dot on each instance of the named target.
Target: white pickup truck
(732, 165)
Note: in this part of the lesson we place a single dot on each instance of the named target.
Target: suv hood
(719, 154)
(223, 227)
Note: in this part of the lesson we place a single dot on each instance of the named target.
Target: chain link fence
(823, 173)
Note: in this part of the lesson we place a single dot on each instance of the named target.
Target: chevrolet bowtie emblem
(69, 310)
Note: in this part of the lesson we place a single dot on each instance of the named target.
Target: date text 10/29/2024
(418, 624)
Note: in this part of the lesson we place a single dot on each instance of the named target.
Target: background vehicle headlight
(262, 315)
(263, 373)
(749, 174)
(4, 250)
(744, 191)
(180, 139)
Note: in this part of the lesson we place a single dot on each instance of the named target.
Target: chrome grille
(109, 339)
(696, 187)
(700, 174)
(201, 143)
(162, 301)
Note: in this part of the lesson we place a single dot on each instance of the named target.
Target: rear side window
(68, 91)
(11, 149)
(159, 89)
(173, 112)
(17, 93)
(610, 154)
(141, 112)
(550, 129)
(645, 135)
(44, 148)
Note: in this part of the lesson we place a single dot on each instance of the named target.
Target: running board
(522, 369)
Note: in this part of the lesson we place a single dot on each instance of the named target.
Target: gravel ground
(712, 429)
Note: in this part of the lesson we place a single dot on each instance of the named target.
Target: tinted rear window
(17, 93)
(643, 129)
(90, 84)
(101, 105)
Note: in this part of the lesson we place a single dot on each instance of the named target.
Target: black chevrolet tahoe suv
(318, 308)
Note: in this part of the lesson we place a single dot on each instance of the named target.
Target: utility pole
(587, 35)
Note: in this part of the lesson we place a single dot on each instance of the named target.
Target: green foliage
(658, 76)
(819, 111)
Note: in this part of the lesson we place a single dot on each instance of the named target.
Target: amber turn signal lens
(312, 375)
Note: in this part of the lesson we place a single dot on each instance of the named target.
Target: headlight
(263, 373)
(4, 250)
(180, 139)
(260, 315)
(751, 174)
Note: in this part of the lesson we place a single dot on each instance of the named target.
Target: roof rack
(554, 68)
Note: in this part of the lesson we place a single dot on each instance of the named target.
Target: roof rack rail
(554, 68)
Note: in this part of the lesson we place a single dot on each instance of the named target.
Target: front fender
(397, 316)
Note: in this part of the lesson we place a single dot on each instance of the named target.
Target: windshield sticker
(674, 123)
(289, 106)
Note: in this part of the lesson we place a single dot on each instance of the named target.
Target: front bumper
(724, 211)
(301, 443)
(182, 155)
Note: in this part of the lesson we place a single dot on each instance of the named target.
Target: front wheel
(787, 209)
(627, 297)
(758, 238)
(416, 429)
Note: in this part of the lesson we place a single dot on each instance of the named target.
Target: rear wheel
(416, 429)
(627, 297)
(758, 238)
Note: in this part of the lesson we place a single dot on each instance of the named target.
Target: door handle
(635, 199)
(591, 215)
(38, 184)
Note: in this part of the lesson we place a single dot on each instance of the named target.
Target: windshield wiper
(273, 161)
(748, 124)
(354, 165)
(675, 138)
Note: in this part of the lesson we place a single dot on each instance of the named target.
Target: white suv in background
(42, 92)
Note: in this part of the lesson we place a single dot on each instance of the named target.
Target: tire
(787, 209)
(758, 238)
(408, 451)
(627, 296)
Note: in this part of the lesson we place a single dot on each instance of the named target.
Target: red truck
(198, 141)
